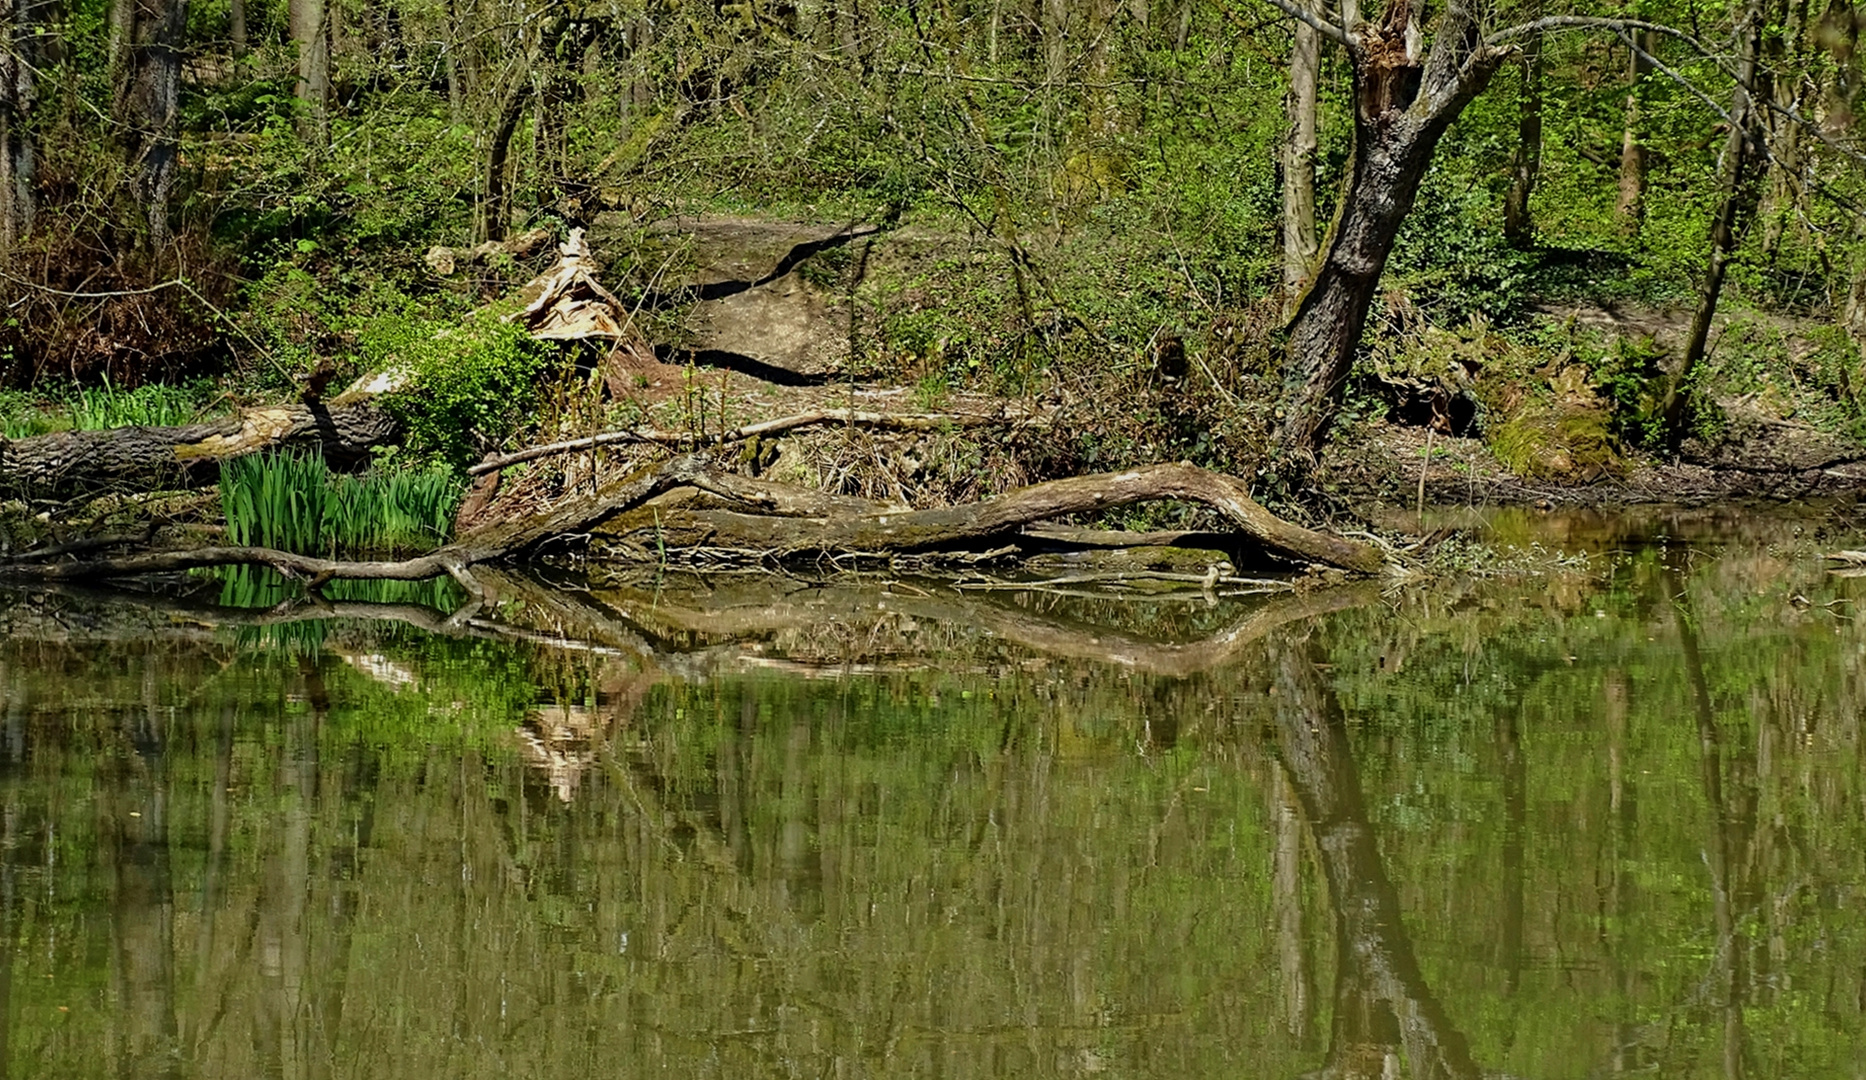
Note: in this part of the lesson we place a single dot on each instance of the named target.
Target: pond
(1604, 819)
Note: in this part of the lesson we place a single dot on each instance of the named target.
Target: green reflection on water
(1604, 822)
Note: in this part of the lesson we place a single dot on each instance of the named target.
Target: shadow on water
(1600, 822)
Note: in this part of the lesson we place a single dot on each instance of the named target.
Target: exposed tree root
(775, 519)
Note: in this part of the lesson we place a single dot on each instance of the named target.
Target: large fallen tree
(70, 463)
(771, 520)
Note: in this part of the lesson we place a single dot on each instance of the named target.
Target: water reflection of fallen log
(838, 625)
(744, 617)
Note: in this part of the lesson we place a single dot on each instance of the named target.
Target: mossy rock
(1559, 441)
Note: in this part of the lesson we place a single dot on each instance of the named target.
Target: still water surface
(1604, 821)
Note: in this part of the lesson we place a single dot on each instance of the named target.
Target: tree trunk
(496, 210)
(236, 26)
(1630, 209)
(148, 104)
(18, 93)
(67, 463)
(310, 29)
(1526, 160)
(1785, 54)
(1743, 151)
(1402, 106)
(1299, 243)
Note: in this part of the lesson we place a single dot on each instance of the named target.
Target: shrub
(470, 387)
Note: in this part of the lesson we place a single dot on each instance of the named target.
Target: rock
(764, 297)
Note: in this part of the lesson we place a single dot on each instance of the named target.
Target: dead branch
(887, 421)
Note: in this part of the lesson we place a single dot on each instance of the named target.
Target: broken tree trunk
(1405, 97)
(773, 521)
(68, 463)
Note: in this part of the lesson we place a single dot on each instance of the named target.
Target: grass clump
(109, 406)
(294, 502)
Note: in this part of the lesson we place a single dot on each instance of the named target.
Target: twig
(902, 421)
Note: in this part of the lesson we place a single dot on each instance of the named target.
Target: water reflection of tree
(1382, 1005)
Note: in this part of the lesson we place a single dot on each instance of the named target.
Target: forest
(1244, 236)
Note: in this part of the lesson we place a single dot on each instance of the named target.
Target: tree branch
(898, 421)
(1322, 26)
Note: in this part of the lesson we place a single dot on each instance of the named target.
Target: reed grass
(294, 502)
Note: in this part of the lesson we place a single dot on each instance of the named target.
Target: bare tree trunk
(148, 103)
(310, 29)
(1526, 160)
(1742, 152)
(496, 210)
(236, 26)
(1631, 207)
(18, 94)
(1299, 243)
(1786, 55)
(1402, 105)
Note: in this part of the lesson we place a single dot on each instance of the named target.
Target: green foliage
(294, 502)
(1451, 257)
(107, 406)
(20, 416)
(471, 385)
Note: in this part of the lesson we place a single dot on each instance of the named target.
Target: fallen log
(776, 520)
(880, 529)
(68, 463)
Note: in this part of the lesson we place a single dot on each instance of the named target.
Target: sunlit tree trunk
(1526, 159)
(1630, 208)
(310, 29)
(236, 26)
(1742, 156)
(1299, 243)
(148, 105)
(1403, 102)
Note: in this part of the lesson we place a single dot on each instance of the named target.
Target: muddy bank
(1382, 465)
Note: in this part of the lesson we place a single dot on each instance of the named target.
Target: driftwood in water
(67, 463)
(774, 520)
